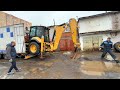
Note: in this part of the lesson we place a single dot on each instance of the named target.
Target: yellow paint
(33, 48)
(27, 57)
(59, 30)
(37, 39)
(74, 27)
(41, 41)
(119, 46)
(51, 46)
(42, 45)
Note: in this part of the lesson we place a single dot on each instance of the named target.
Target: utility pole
(54, 31)
(77, 17)
(54, 21)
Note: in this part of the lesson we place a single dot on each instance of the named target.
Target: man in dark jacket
(11, 55)
(107, 48)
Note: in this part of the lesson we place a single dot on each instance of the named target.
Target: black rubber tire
(0, 56)
(38, 48)
(116, 46)
(3, 56)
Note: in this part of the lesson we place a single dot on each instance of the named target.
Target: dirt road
(60, 66)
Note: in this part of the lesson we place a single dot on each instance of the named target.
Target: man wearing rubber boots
(107, 47)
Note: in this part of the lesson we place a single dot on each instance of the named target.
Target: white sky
(45, 18)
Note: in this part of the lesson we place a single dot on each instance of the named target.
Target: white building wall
(114, 39)
(51, 32)
(13, 33)
(101, 23)
(116, 21)
(90, 42)
(81, 43)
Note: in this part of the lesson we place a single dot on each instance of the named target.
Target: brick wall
(7, 19)
(2, 19)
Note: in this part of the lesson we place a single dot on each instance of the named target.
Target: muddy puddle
(98, 68)
(46, 64)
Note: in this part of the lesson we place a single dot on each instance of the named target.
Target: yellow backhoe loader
(39, 38)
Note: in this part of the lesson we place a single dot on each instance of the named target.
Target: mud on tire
(37, 48)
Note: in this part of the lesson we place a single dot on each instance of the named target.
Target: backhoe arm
(59, 30)
(74, 30)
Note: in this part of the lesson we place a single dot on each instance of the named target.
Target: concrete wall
(101, 23)
(114, 38)
(116, 21)
(7, 19)
(90, 42)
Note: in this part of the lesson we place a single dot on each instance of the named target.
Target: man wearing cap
(107, 48)
(11, 56)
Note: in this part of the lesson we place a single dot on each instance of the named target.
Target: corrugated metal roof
(98, 15)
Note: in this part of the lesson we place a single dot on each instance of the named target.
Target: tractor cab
(39, 31)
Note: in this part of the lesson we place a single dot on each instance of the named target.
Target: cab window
(32, 33)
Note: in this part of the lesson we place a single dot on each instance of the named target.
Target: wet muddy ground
(61, 66)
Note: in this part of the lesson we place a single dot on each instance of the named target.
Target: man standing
(107, 48)
(11, 55)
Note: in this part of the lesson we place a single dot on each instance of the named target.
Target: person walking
(11, 55)
(107, 47)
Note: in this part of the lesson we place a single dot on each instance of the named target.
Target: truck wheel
(34, 48)
(4, 56)
(0, 56)
(117, 46)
